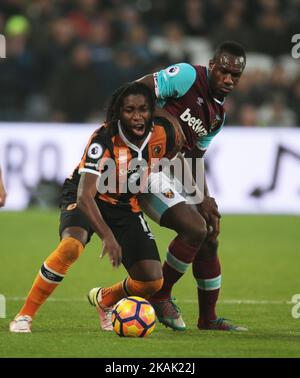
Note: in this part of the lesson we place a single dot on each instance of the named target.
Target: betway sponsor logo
(195, 123)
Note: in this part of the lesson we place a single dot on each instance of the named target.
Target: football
(133, 317)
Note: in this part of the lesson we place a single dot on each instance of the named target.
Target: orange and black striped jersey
(120, 164)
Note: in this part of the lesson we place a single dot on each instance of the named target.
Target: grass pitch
(260, 267)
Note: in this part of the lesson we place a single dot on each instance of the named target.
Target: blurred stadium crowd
(65, 57)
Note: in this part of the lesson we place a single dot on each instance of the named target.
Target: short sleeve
(174, 81)
(93, 153)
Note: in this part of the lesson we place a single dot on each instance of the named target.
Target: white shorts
(163, 193)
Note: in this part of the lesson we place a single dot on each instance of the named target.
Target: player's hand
(209, 210)
(2, 196)
(113, 249)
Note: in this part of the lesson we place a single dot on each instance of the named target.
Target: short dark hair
(116, 100)
(231, 47)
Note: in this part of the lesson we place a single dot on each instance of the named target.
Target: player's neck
(130, 141)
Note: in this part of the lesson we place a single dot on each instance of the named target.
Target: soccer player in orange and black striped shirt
(112, 156)
(113, 214)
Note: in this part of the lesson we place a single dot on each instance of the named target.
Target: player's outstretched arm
(149, 81)
(2, 191)
(180, 137)
(208, 208)
(86, 203)
(160, 112)
(195, 190)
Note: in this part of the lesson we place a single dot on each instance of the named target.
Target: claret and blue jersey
(182, 89)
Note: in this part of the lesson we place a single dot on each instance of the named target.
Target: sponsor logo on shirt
(195, 123)
(91, 165)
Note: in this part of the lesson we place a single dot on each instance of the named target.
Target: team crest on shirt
(216, 121)
(200, 101)
(95, 151)
(156, 150)
(169, 194)
(173, 71)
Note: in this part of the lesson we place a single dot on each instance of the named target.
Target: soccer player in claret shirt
(195, 96)
(115, 216)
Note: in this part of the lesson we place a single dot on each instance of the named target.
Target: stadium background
(63, 60)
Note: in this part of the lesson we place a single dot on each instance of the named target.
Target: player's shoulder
(103, 133)
(162, 130)
(159, 124)
(101, 140)
(181, 71)
(100, 131)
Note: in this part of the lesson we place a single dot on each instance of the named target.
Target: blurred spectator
(100, 41)
(125, 39)
(40, 14)
(74, 92)
(292, 16)
(17, 71)
(276, 113)
(2, 23)
(123, 68)
(172, 44)
(81, 17)
(193, 18)
(62, 38)
(247, 115)
(160, 13)
(139, 42)
(233, 28)
(271, 27)
(11, 7)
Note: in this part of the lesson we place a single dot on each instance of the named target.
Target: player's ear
(211, 64)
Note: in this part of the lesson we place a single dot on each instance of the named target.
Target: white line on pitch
(225, 301)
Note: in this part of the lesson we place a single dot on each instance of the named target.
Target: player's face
(135, 116)
(225, 73)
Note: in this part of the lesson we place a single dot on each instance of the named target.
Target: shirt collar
(131, 145)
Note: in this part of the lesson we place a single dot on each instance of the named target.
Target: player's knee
(69, 249)
(196, 232)
(145, 289)
(187, 222)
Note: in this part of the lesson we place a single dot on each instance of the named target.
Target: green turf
(260, 261)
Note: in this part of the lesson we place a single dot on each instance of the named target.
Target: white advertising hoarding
(249, 170)
(254, 170)
(32, 152)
